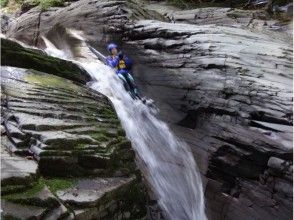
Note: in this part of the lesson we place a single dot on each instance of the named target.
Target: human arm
(113, 62)
(128, 62)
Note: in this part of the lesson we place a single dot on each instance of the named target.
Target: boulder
(35, 59)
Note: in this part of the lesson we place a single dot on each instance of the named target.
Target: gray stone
(276, 163)
(66, 139)
(60, 145)
(88, 192)
(222, 79)
(23, 211)
(16, 170)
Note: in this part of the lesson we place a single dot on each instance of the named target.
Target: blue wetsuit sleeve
(113, 62)
(128, 62)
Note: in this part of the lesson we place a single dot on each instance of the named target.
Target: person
(123, 66)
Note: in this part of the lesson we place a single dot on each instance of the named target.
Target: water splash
(166, 162)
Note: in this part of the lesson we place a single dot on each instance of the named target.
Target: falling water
(167, 162)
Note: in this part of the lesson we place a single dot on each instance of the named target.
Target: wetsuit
(123, 67)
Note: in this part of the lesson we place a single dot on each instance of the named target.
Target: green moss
(56, 184)
(31, 192)
(242, 71)
(50, 80)
(18, 181)
(114, 122)
(131, 197)
(35, 201)
(13, 189)
(124, 144)
(55, 153)
(3, 3)
(106, 133)
(80, 146)
(121, 132)
(239, 14)
(35, 59)
(9, 217)
(45, 4)
(140, 13)
(98, 136)
(107, 112)
(134, 200)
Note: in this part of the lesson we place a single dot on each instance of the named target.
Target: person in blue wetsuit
(123, 66)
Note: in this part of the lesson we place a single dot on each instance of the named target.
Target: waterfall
(165, 161)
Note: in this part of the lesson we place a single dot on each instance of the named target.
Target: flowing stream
(165, 161)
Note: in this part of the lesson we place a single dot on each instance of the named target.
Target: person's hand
(120, 55)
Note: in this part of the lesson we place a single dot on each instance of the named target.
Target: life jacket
(121, 64)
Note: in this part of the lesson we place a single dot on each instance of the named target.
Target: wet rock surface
(38, 60)
(92, 17)
(228, 92)
(64, 152)
(222, 79)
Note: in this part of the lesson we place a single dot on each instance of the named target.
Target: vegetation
(56, 184)
(37, 60)
(45, 4)
(30, 192)
(50, 81)
(3, 3)
(15, 5)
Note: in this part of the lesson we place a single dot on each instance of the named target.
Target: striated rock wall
(222, 79)
(38, 60)
(228, 93)
(92, 17)
(64, 153)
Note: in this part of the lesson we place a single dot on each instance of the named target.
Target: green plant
(45, 4)
(3, 3)
(56, 184)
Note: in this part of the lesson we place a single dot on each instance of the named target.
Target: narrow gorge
(214, 139)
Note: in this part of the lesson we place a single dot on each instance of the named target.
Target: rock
(2, 130)
(275, 163)
(41, 204)
(51, 136)
(55, 121)
(88, 192)
(5, 19)
(280, 168)
(223, 102)
(210, 94)
(222, 79)
(29, 58)
(16, 170)
(22, 211)
(116, 13)
(97, 198)
(22, 190)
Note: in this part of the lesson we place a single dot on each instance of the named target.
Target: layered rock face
(38, 60)
(92, 17)
(222, 79)
(228, 93)
(64, 152)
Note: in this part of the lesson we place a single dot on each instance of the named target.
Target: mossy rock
(37, 60)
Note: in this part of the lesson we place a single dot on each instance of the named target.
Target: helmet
(111, 46)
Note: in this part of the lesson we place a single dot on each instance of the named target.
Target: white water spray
(167, 163)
